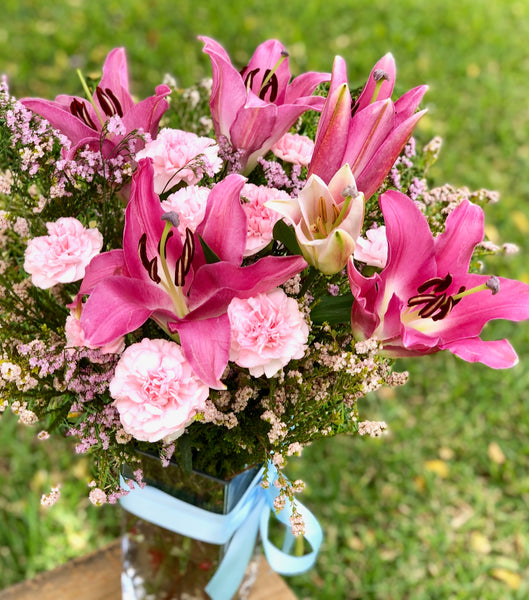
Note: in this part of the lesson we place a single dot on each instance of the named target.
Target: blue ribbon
(238, 529)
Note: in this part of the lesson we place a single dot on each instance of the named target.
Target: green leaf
(332, 309)
(211, 257)
(287, 236)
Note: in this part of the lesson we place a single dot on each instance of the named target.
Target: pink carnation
(294, 148)
(155, 390)
(261, 220)
(180, 156)
(63, 255)
(267, 332)
(373, 250)
(190, 204)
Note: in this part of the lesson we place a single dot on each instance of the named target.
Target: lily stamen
(174, 289)
(270, 79)
(109, 103)
(437, 305)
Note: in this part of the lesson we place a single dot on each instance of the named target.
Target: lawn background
(437, 509)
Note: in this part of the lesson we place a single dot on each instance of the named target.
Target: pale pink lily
(327, 219)
(253, 108)
(425, 300)
(158, 275)
(368, 136)
(82, 121)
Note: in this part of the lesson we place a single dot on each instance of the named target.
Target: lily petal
(387, 65)
(206, 345)
(119, 306)
(497, 354)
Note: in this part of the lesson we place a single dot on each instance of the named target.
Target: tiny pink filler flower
(63, 255)
(156, 391)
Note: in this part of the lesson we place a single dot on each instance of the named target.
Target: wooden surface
(96, 576)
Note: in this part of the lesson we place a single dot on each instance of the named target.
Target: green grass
(395, 529)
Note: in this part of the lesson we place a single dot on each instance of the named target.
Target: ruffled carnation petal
(267, 332)
(180, 156)
(63, 255)
(155, 390)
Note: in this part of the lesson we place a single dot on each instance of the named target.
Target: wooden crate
(96, 576)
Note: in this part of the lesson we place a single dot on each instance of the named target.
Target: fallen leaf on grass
(480, 543)
(492, 233)
(446, 453)
(511, 578)
(439, 467)
(495, 453)
(420, 483)
(463, 514)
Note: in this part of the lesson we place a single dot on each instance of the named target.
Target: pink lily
(159, 276)
(368, 136)
(83, 121)
(253, 108)
(327, 219)
(425, 300)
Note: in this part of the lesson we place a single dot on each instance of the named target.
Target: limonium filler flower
(424, 300)
(155, 390)
(63, 255)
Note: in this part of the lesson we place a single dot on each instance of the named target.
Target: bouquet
(218, 275)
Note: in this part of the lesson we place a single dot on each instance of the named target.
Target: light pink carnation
(180, 156)
(267, 332)
(261, 220)
(63, 255)
(190, 204)
(294, 148)
(373, 250)
(155, 390)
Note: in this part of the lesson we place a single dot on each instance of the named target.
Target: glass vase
(158, 564)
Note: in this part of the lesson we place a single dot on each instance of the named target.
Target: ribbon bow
(238, 529)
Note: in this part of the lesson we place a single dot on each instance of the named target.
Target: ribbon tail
(282, 562)
(230, 573)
